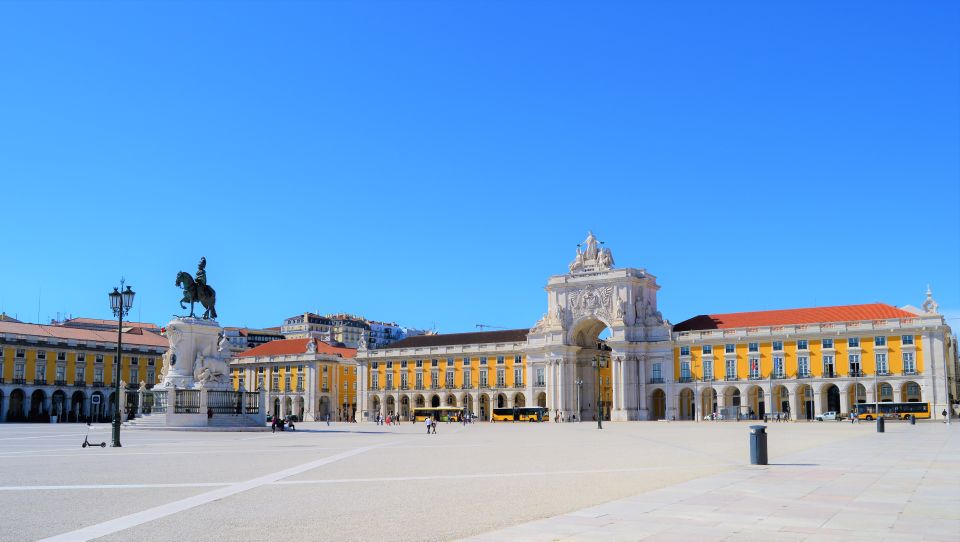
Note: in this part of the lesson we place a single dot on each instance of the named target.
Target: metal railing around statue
(154, 402)
(187, 402)
(225, 401)
(159, 398)
(251, 402)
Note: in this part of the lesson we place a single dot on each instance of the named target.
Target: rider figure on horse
(200, 280)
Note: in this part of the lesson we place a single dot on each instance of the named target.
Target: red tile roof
(83, 335)
(845, 313)
(100, 322)
(289, 347)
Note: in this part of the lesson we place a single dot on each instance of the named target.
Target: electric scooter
(88, 443)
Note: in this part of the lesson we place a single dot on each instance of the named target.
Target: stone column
(528, 384)
(616, 386)
(897, 389)
(794, 403)
(817, 402)
(669, 387)
(643, 412)
(844, 402)
(360, 414)
(548, 367)
(561, 387)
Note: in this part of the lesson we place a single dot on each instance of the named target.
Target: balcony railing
(909, 373)
(830, 374)
(707, 378)
(856, 373)
(79, 384)
(884, 373)
(758, 377)
(466, 387)
(730, 378)
(39, 381)
(98, 384)
(59, 382)
(685, 379)
(804, 375)
(656, 380)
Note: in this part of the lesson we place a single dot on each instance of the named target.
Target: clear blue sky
(434, 162)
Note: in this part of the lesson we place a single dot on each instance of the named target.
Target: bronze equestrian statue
(198, 290)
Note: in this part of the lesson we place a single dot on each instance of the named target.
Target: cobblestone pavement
(491, 481)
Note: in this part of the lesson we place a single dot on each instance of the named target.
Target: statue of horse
(206, 295)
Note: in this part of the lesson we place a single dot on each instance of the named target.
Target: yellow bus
(868, 411)
(440, 414)
(520, 414)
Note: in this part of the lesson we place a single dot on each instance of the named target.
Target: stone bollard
(880, 424)
(758, 444)
(913, 420)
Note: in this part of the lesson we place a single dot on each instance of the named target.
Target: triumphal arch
(591, 297)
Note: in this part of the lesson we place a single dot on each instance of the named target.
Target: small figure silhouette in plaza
(427, 422)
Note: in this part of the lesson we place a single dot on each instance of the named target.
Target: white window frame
(803, 366)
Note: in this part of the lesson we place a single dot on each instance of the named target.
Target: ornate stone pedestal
(194, 359)
(195, 379)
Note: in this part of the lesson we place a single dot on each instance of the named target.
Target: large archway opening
(833, 398)
(593, 369)
(15, 412)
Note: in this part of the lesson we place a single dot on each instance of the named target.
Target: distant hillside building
(241, 339)
(346, 329)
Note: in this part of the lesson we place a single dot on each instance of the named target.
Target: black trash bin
(758, 444)
(913, 420)
(880, 424)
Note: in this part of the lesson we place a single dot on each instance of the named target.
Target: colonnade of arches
(296, 405)
(41, 405)
(796, 401)
(481, 404)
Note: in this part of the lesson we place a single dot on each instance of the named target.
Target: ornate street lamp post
(120, 303)
(597, 362)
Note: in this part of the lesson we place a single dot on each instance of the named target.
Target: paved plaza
(630, 481)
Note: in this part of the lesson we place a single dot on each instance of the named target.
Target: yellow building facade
(52, 372)
(794, 363)
(474, 371)
(305, 378)
(757, 365)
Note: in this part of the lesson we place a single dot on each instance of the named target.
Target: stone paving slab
(900, 485)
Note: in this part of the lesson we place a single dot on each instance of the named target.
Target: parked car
(830, 416)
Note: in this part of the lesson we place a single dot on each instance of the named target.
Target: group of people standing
(389, 419)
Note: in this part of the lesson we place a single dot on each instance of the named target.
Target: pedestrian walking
(328, 420)
(427, 422)
(433, 427)
(944, 413)
(273, 424)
